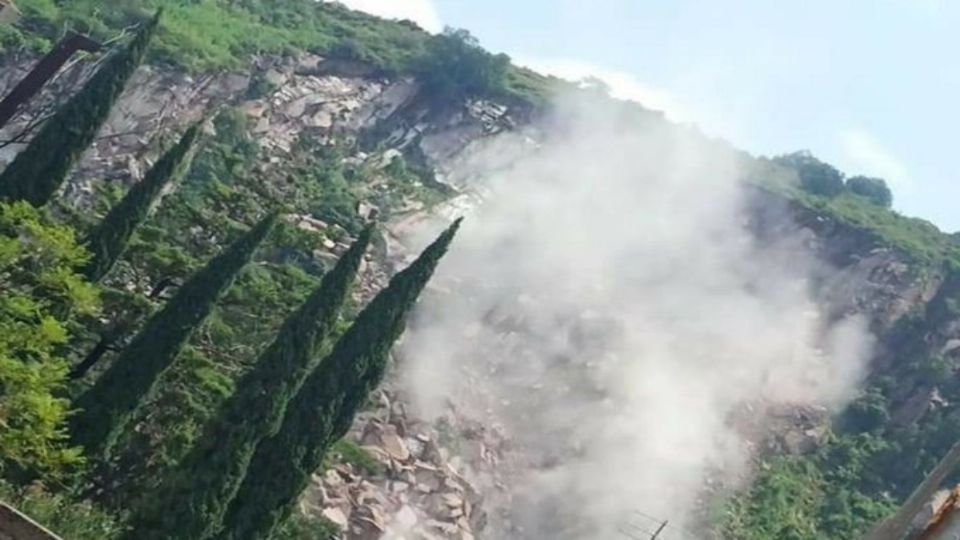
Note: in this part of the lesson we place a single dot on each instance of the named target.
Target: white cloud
(622, 85)
(864, 154)
(422, 12)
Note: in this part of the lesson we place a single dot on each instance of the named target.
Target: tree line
(241, 478)
(825, 180)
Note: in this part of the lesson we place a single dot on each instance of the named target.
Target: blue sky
(870, 86)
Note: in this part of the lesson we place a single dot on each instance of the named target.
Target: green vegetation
(456, 67)
(857, 478)
(192, 502)
(345, 451)
(106, 408)
(875, 460)
(70, 518)
(819, 497)
(198, 373)
(110, 237)
(874, 189)
(217, 199)
(37, 172)
(822, 179)
(208, 35)
(42, 294)
(324, 408)
(202, 351)
(301, 527)
(918, 238)
(861, 202)
(223, 193)
(816, 176)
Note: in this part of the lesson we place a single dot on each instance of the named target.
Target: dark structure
(46, 68)
(37, 172)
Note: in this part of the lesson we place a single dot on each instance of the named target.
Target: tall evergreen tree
(108, 405)
(192, 502)
(108, 240)
(324, 408)
(39, 170)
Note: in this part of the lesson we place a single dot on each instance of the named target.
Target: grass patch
(63, 515)
(301, 527)
(207, 35)
(345, 451)
(211, 35)
(919, 239)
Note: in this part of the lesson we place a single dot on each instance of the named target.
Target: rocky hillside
(403, 153)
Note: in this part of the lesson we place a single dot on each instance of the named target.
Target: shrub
(301, 527)
(815, 176)
(41, 293)
(867, 413)
(874, 189)
(455, 67)
(63, 515)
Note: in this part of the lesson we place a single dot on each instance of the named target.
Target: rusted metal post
(48, 66)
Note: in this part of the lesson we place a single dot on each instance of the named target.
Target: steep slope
(409, 154)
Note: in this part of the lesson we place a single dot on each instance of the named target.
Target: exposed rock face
(156, 101)
(438, 478)
(309, 98)
(423, 493)
(861, 274)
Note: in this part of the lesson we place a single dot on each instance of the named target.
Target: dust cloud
(607, 310)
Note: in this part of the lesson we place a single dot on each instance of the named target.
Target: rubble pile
(422, 490)
(781, 428)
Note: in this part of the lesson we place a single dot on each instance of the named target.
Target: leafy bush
(874, 189)
(41, 293)
(63, 515)
(207, 35)
(816, 176)
(916, 237)
(867, 413)
(204, 35)
(347, 451)
(455, 66)
(301, 527)
(816, 497)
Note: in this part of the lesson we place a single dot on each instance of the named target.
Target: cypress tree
(108, 405)
(324, 408)
(108, 240)
(39, 170)
(193, 501)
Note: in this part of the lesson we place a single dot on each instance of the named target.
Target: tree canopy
(874, 189)
(455, 66)
(815, 176)
(42, 291)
